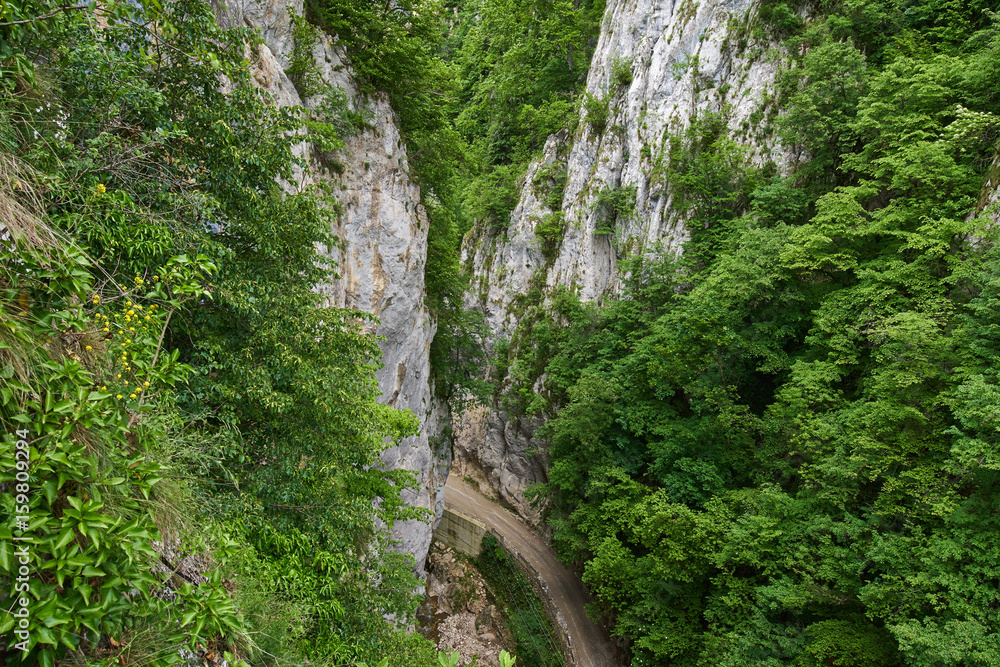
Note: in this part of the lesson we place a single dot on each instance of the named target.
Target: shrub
(597, 111)
(612, 204)
(551, 230)
(621, 72)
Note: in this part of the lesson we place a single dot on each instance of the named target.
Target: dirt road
(587, 642)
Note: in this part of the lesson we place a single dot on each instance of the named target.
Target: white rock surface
(682, 64)
(384, 248)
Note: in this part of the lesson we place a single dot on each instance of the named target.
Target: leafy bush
(621, 72)
(551, 230)
(492, 198)
(550, 184)
(596, 110)
(763, 445)
(613, 204)
(172, 184)
(83, 486)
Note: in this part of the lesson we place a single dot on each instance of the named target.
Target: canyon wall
(383, 233)
(658, 65)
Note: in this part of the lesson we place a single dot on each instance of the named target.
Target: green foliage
(550, 184)
(596, 110)
(613, 204)
(781, 18)
(824, 90)
(302, 69)
(621, 72)
(391, 49)
(522, 65)
(330, 117)
(396, 49)
(682, 67)
(494, 196)
(448, 660)
(711, 179)
(780, 447)
(457, 357)
(85, 486)
(551, 230)
(21, 22)
(259, 422)
(537, 644)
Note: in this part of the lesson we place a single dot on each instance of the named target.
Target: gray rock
(681, 65)
(384, 249)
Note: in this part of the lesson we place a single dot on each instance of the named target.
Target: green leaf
(45, 636)
(65, 537)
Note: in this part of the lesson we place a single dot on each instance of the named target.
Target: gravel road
(589, 646)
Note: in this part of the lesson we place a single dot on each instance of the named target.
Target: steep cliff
(658, 64)
(380, 263)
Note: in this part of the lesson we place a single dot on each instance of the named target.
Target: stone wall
(460, 532)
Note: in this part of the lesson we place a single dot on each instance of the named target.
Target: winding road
(587, 643)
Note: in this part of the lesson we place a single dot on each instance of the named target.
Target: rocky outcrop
(657, 65)
(457, 614)
(383, 231)
(503, 456)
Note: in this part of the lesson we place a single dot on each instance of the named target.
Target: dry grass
(21, 209)
(22, 229)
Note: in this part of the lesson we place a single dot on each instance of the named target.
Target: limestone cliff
(383, 231)
(658, 64)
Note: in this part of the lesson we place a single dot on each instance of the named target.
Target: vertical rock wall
(384, 248)
(657, 65)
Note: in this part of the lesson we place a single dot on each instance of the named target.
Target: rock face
(457, 614)
(383, 231)
(657, 65)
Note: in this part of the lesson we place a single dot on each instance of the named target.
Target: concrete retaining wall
(461, 532)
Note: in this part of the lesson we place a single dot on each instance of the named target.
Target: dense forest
(778, 447)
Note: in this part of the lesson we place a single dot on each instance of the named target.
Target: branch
(60, 10)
